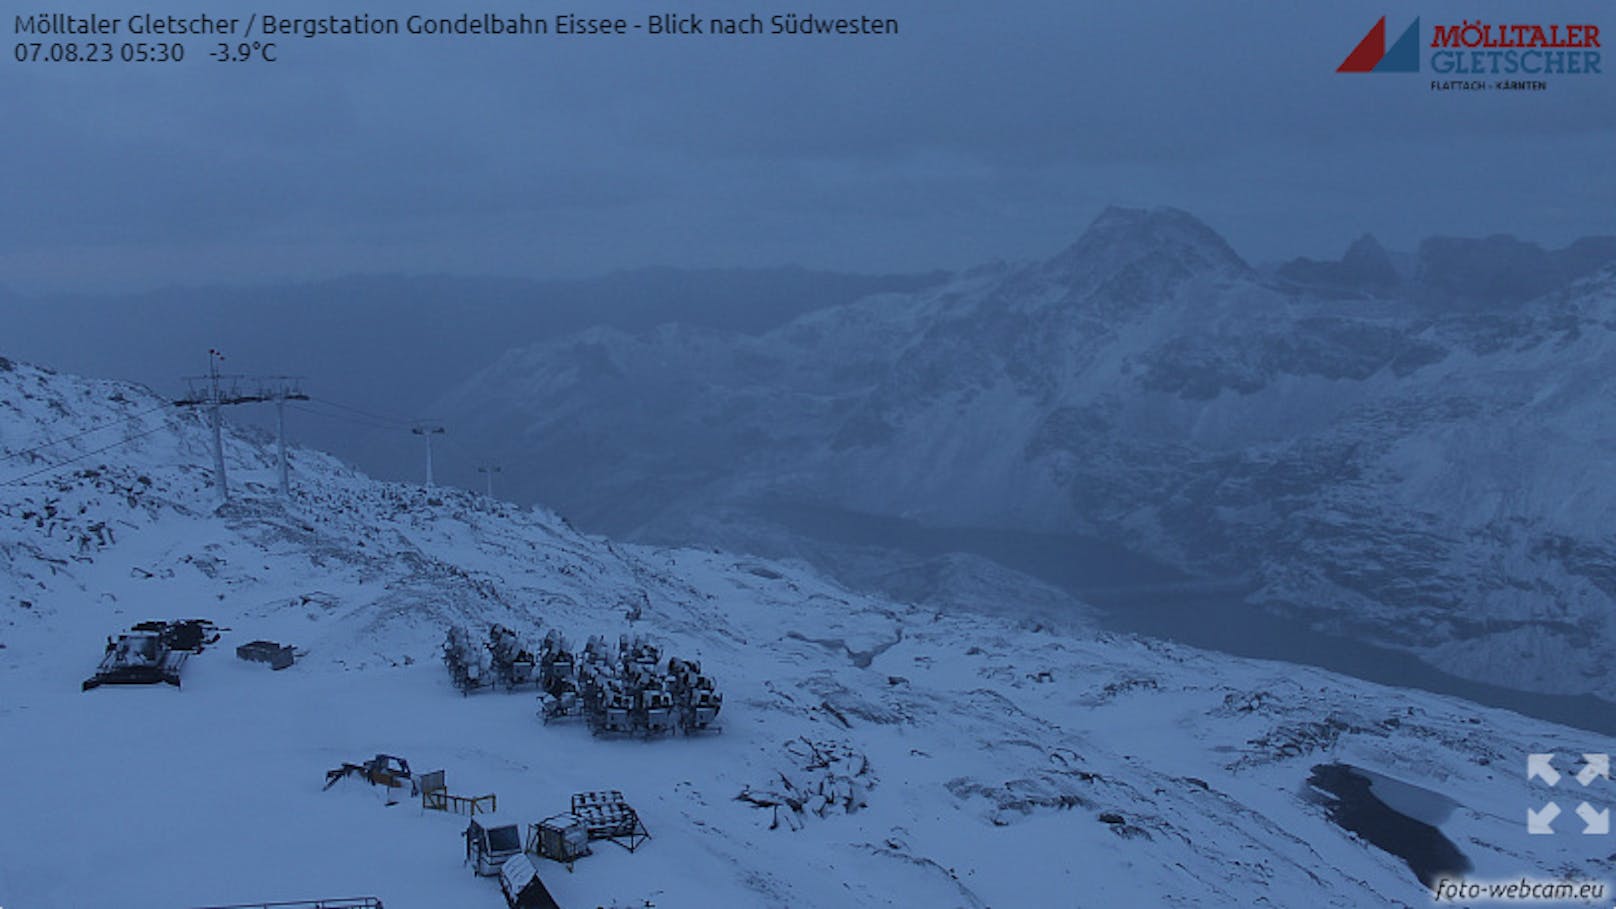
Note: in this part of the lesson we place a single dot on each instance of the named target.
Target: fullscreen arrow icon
(1596, 823)
(1542, 822)
(1542, 765)
(1596, 766)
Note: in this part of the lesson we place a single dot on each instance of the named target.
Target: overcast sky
(973, 135)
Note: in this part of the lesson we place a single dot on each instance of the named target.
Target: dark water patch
(1352, 799)
(1140, 595)
(1228, 624)
(1071, 562)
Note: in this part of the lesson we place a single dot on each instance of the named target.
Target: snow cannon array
(502, 659)
(626, 691)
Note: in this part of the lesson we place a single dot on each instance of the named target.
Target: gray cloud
(976, 134)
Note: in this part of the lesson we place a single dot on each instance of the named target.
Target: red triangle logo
(1368, 52)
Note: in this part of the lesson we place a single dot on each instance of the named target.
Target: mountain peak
(1366, 266)
(1124, 217)
(1364, 248)
(1162, 223)
(1120, 238)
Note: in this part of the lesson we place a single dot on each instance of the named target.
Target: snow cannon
(700, 706)
(467, 663)
(558, 677)
(512, 663)
(556, 667)
(654, 714)
(695, 695)
(637, 656)
(614, 713)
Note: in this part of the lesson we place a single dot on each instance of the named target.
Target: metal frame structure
(435, 796)
(341, 903)
(608, 817)
(549, 839)
(216, 391)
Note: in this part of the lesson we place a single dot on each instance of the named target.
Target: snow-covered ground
(991, 762)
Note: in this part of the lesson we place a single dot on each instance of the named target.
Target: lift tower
(216, 391)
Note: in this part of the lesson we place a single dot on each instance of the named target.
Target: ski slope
(990, 762)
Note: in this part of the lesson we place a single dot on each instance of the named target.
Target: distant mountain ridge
(390, 345)
(1415, 475)
(1458, 272)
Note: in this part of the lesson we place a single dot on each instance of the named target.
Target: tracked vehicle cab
(490, 840)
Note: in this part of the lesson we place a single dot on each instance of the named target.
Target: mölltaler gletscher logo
(1372, 56)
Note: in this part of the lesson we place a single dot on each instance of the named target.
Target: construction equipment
(152, 652)
(381, 770)
(521, 885)
(192, 635)
(137, 658)
(490, 841)
(606, 816)
(278, 656)
(512, 664)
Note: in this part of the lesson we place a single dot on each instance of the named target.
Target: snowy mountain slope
(993, 763)
(1421, 477)
(392, 343)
